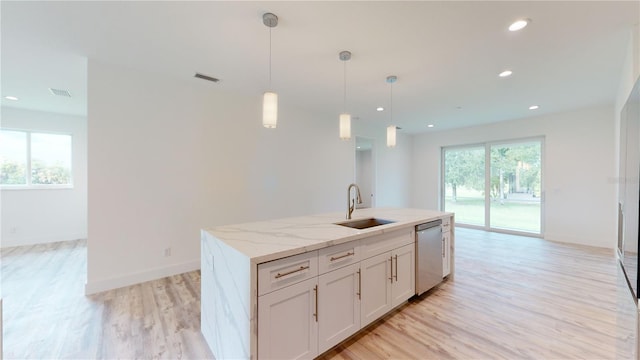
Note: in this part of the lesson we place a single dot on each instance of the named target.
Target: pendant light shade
(391, 136)
(391, 129)
(345, 118)
(270, 110)
(270, 98)
(345, 126)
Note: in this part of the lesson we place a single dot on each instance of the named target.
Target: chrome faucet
(351, 203)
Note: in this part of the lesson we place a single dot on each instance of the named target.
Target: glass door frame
(487, 183)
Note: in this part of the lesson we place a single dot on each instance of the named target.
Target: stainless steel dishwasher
(428, 255)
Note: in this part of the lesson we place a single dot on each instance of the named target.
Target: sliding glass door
(516, 186)
(496, 186)
(464, 183)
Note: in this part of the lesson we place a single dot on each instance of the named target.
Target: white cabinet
(310, 302)
(403, 272)
(338, 306)
(337, 256)
(446, 246)
(388, 280)
(281, 273)
(446, 256)
(376, 287)
(288, 323)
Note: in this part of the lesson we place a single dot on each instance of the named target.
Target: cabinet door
(376, 287)
(403, 273)
(338, 306)
(287, 322)
(446, 253)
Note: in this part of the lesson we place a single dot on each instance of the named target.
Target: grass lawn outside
(512, 215)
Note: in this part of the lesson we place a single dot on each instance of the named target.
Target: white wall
(392, 165)
(47, 215)
(168, 157)
(578, 170)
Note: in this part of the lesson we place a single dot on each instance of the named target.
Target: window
(495, 186)
(35, 160)
(13, 155)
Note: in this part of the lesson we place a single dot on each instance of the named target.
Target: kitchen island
(295, 287)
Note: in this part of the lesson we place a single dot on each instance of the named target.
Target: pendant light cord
(345, 88)
(391, 104)
(269, 59)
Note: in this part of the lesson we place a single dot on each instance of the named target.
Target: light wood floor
(512, 298)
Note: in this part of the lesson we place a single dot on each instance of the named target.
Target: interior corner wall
(35, 216)
(165, 164)
(630, 70)
(392, 165)
(578, 170)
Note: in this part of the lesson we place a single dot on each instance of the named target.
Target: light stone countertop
(264, 241)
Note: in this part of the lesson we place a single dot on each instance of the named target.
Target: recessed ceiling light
(430, 125)
(459, 107)
(534, 107)
(505, 73)
(379, 108)
(11, 98)
(519, 24)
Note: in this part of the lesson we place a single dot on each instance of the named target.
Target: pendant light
(270, 98)
(391, 129)
(345, 118)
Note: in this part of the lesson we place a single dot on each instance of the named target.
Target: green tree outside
(14, 173)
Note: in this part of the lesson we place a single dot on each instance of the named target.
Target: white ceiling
(446, 54)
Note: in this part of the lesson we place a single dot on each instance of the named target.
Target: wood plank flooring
(512, 298)
(47, 316)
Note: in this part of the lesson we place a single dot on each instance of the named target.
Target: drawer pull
(342, 256)
(278, 275)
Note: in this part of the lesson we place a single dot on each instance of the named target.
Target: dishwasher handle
(429, 225)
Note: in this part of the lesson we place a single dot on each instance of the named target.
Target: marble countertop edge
(268, 240)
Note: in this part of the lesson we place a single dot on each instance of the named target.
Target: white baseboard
(18, 241)
(140, 277)
(604, 242)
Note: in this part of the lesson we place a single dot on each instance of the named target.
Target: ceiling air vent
(59, 92)
(206, 77)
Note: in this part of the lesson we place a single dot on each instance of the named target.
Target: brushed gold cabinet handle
(315, 289)
(342, 256)
(359, 285)
(278, 275)
(396, 275)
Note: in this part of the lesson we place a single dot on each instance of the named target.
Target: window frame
(487, 211)
(29, 184)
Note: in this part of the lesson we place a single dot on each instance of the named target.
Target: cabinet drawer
(386, 242)
(446, 224)
(337, 256)
(277, 274)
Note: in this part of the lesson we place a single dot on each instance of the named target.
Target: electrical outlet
(167, 252)
(13, 230)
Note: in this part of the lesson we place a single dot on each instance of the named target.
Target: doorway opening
(365, 171)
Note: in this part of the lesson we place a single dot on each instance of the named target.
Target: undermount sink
(365, 223)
